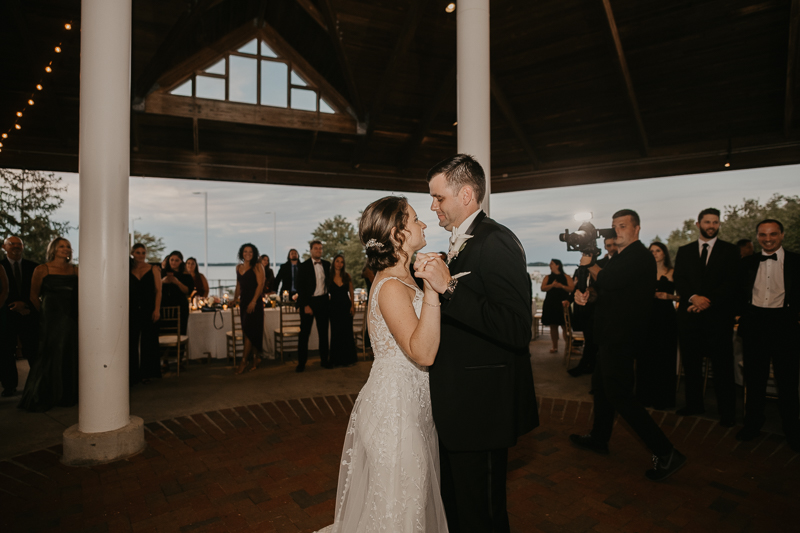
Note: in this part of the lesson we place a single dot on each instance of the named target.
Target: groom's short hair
(460, 170)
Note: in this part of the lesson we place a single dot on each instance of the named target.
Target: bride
(389, 474)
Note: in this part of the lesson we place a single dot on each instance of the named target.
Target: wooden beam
(195, 136)
(278, 117)
(389, 76)
(313, 144)
(447, 84)
(332, 22)
(309, 7)
(791, 69)
(165, 54)
(623, 65)
(508, 112)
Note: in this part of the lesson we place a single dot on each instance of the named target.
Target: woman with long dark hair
(176, 286)
(144, 311)
(53, 379)
(199, 280)
(249, 291)
(342, 309)
(655, 369)
(558, 287)
(269, 276)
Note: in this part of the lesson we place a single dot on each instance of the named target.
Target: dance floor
(274, 467)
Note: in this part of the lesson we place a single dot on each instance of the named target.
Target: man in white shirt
(313, 302)
(769, 303)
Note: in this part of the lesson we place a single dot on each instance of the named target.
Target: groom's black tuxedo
(482, 392)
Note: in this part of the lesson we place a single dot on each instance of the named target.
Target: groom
(481, 383)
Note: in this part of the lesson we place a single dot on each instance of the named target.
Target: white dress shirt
(457, 230)
(769, 289)
(320, 273)
(710, 243)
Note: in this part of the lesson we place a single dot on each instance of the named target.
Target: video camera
(585, 239)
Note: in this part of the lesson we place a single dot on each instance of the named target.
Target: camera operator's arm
(594, 269)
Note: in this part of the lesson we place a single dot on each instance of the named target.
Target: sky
(237, 211)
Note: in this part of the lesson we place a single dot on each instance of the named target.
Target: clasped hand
(430, 268)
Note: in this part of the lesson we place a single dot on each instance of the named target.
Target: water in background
(226, 277)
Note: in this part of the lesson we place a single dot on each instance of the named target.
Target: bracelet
(431, 305)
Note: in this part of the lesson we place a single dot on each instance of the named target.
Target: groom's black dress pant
(474, 490)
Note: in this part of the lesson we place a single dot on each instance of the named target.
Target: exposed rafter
(623, 65)
(309, 7)
(332, 22)
(447, 84)
(508, 112)
(399, 52)
(791, 67)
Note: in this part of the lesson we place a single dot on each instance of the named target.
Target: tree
(155, 246)
(338, 236)
(27, 201)
(682, 236)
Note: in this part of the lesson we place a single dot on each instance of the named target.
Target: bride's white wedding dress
(389, 474)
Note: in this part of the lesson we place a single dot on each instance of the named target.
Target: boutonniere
(456, 247)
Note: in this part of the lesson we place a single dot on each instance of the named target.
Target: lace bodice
(383, 344)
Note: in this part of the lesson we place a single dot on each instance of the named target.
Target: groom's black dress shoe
(587, 442)
(663, 467)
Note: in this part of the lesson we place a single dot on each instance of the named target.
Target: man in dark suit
(482, 392)
(21, 317)
(626, 289)
(705, 277)
(286, 280)
(313, 301)
(769, 303)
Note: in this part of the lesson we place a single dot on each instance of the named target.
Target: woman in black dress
(176, 286)
(199, 280)
(558, 287)
(143, 315)
(269, 276)
(342, 309)
(53, 379)
(249, 294)
(656, 369)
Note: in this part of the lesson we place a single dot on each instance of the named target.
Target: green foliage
(27, 200)
(155, 245)
(739, 222)
(338, 236)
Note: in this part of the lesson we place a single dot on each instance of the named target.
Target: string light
(58, 49)
(39, 87)
(18, 126)
(1, 145)
(30, 102)
(5, 136)
(48, 69)
(68, 26)
(19, 113)
(450, 7)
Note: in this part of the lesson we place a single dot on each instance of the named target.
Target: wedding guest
(286, 279)
(53, 378)
(624, 303)
(342, 310)
(610, 245)
(249, 292)
(22, 320)
(144, 312)
(313, 302)
(558, 287)
(745, 247)
(705, 278)
(269, 276)
(769, 302)
(655, 368)
(3, 326)
(176, 286)
(198, 279)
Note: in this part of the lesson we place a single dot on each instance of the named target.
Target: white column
(103, 432)
(474, 91)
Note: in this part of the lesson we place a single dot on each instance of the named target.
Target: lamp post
(274, 236)
(205, 198)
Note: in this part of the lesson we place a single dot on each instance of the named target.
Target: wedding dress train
(389, 474)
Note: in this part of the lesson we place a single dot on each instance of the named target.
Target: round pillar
(474, 85)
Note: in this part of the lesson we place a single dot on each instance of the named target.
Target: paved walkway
(274, 466)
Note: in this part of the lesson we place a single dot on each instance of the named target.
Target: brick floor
(274, 467)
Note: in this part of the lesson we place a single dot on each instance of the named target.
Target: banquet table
(206, 332)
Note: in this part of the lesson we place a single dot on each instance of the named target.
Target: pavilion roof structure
(583, 91)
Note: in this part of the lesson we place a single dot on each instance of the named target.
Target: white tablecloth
(205, 338)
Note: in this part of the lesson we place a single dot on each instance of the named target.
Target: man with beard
(286, 280)
(705, 280)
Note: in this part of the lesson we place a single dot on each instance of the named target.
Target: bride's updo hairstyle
(375, 231)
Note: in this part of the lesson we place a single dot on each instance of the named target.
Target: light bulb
(30, 102)
(1, 145)
(18, 126)
(39, 87)
(450, 7)
(727, 165)
(58, 49)
(48, 69)
(19, 113)
(68, 26)
(5, 136)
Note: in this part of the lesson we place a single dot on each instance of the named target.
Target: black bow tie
(317, 262)
(763, 258)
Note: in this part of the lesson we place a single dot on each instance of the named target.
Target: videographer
(625, 290)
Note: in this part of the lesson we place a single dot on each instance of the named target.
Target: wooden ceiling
(584, 91)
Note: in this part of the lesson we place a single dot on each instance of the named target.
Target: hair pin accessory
(372, 243)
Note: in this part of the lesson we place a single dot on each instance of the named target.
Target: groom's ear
(465, 195)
